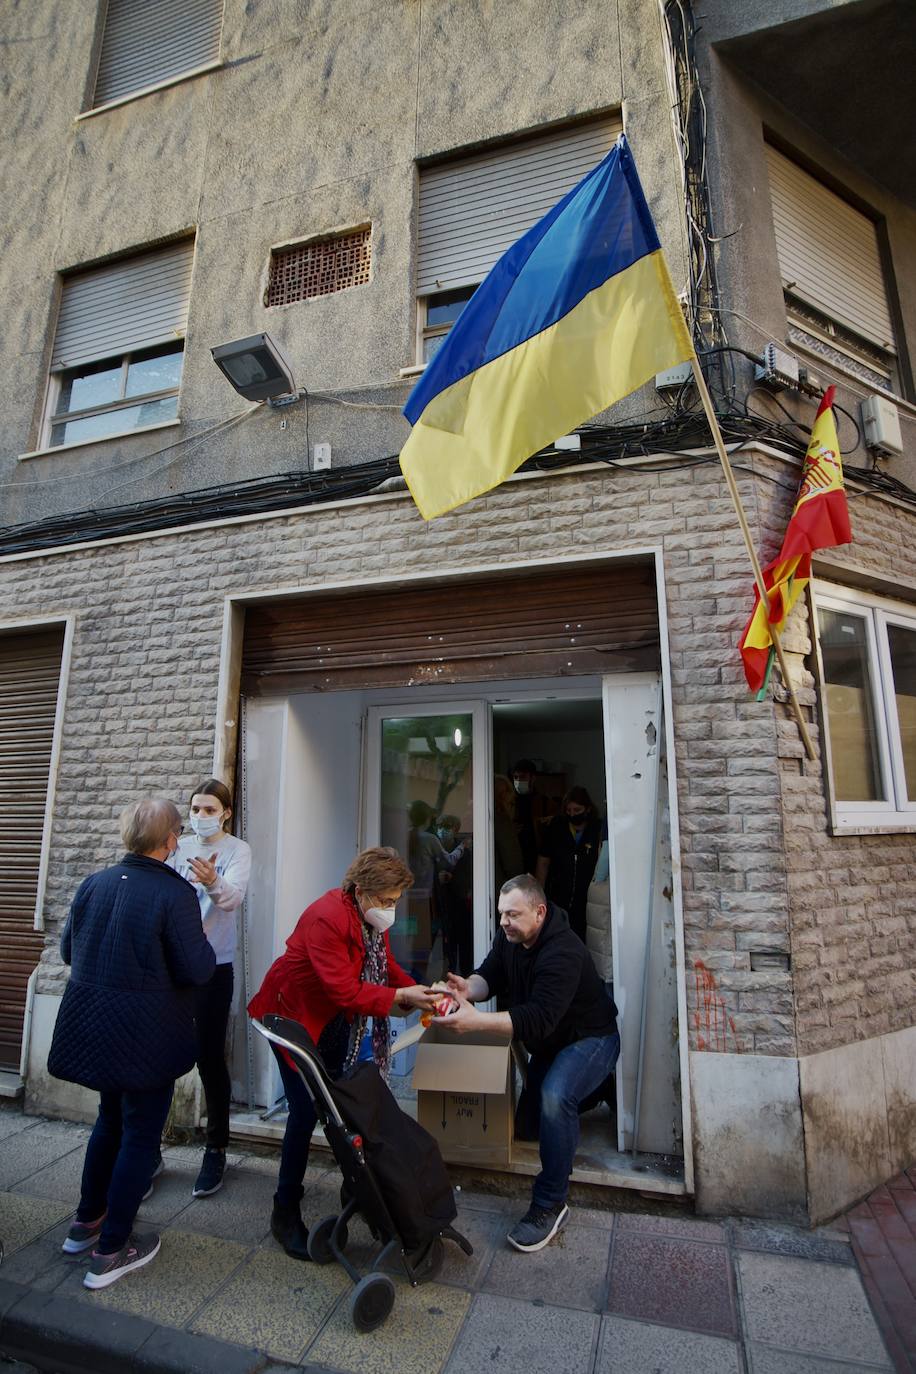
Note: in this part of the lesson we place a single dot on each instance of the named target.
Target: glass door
(425, 796)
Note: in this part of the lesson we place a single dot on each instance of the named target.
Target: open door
(642, 915)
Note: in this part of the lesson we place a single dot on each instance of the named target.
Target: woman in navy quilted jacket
(126, 1027)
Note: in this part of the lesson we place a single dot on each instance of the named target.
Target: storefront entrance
(405, 734)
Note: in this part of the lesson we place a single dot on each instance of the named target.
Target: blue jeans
(120, 1158)
(302, 1118)
(555, 1087)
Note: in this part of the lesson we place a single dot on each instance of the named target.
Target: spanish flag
(819, 521)
(578, 313)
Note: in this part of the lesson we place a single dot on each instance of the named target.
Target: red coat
(319, 975)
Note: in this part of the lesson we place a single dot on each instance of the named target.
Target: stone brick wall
(142, 702)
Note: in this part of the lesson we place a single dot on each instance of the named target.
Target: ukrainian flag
(576, 315)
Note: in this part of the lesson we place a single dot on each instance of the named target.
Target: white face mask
(205, 826)
(522, 788)
(379, 917)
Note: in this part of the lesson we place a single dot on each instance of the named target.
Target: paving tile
(895, 1349)
(416, 1338)
(587, 1216)
(867, 1236)
(766, 1359)
(897, 1297)
(274, 1303)
(488, 1202)
(807, 1306)
(22, 1219)
(627, 1347)
(191, 1156)
(187, 1271)
(681, 1228)
(571, 1271)
(41, 1264)
(171, 1195)
(505, 1334)
(13, 1120)
(674, 1282)
(25, 1152)
(61, 1178)
(790, 1240)
(239, 1211)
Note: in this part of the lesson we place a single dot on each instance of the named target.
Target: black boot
(286, 1226)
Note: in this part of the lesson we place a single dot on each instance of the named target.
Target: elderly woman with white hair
(126, 1027)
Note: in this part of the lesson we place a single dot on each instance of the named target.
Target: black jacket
(136, 945)
(552, 991)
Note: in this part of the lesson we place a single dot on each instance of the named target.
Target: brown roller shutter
(557, 622)
(29, 679)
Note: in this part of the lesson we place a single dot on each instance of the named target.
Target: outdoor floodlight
(256, 368)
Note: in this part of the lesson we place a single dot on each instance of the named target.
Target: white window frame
(898, 810)
(55, 417)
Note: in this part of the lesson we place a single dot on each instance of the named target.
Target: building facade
(190, 584)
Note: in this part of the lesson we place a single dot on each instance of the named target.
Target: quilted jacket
(135, 943)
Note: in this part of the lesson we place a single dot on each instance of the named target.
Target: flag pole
(706, 399)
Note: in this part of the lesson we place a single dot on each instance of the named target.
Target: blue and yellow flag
(574, 316)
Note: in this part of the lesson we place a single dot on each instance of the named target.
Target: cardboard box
(465, 1095)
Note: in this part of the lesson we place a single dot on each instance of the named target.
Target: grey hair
(146, 825)
(529, 887)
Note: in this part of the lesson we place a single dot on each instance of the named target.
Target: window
(146, 44)
(118, 350)
(319, 267)
(833, 280)
(868, 665)
(473, 208)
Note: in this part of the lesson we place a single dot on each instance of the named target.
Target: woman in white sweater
(218, 865)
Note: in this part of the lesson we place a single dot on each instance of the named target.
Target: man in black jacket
(561, 1011)
(126, 1027)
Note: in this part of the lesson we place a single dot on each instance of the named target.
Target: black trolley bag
(393, 1176)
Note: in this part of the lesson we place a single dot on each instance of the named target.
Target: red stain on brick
(713, 1023)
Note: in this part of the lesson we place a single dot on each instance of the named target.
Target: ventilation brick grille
(319, 268)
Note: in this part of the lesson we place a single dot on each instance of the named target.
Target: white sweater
(221, 900)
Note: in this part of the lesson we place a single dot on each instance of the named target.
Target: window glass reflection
(849, 698)
(903, 662)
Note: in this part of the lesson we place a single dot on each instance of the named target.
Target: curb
(71, 1337)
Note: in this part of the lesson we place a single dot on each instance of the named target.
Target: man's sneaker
(537, 1227)
(210, 1178)
(106, 1269)
(82, 1235)
(160, 1165)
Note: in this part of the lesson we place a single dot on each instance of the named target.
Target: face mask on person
(522, 788)
(206, 826)
(578, 819)
(379, 917)
(444, 834)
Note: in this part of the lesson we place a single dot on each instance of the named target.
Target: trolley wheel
(371, 1301)
(319, 1243)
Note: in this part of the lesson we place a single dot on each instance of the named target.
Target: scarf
(375, 970)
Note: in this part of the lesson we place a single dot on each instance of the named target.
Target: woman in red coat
(337, 972)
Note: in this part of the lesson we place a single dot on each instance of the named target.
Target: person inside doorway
(454, 891)
(428, 858)
(336, 973)
(568, 856)
(532, 811)
(217, 864)
(507, 849)
(559, 1008)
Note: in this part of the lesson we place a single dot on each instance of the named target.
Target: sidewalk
(617, 1293)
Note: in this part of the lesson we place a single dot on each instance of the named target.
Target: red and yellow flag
(819, 521)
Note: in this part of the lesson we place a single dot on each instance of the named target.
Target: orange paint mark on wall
(713, 1023)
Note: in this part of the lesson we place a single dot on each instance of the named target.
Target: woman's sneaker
(210, 1178)
(82, 1235)
(537, 1227)
(106, 1269)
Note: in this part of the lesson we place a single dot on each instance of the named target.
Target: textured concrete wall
(314, 124)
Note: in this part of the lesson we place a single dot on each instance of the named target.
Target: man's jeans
(120, 1159)
(554, 1088)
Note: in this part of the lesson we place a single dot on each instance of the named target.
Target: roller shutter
(130, 304)
(557, 622)
(473, 209)
(828, 252)
(29, 679)
(148, 41)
